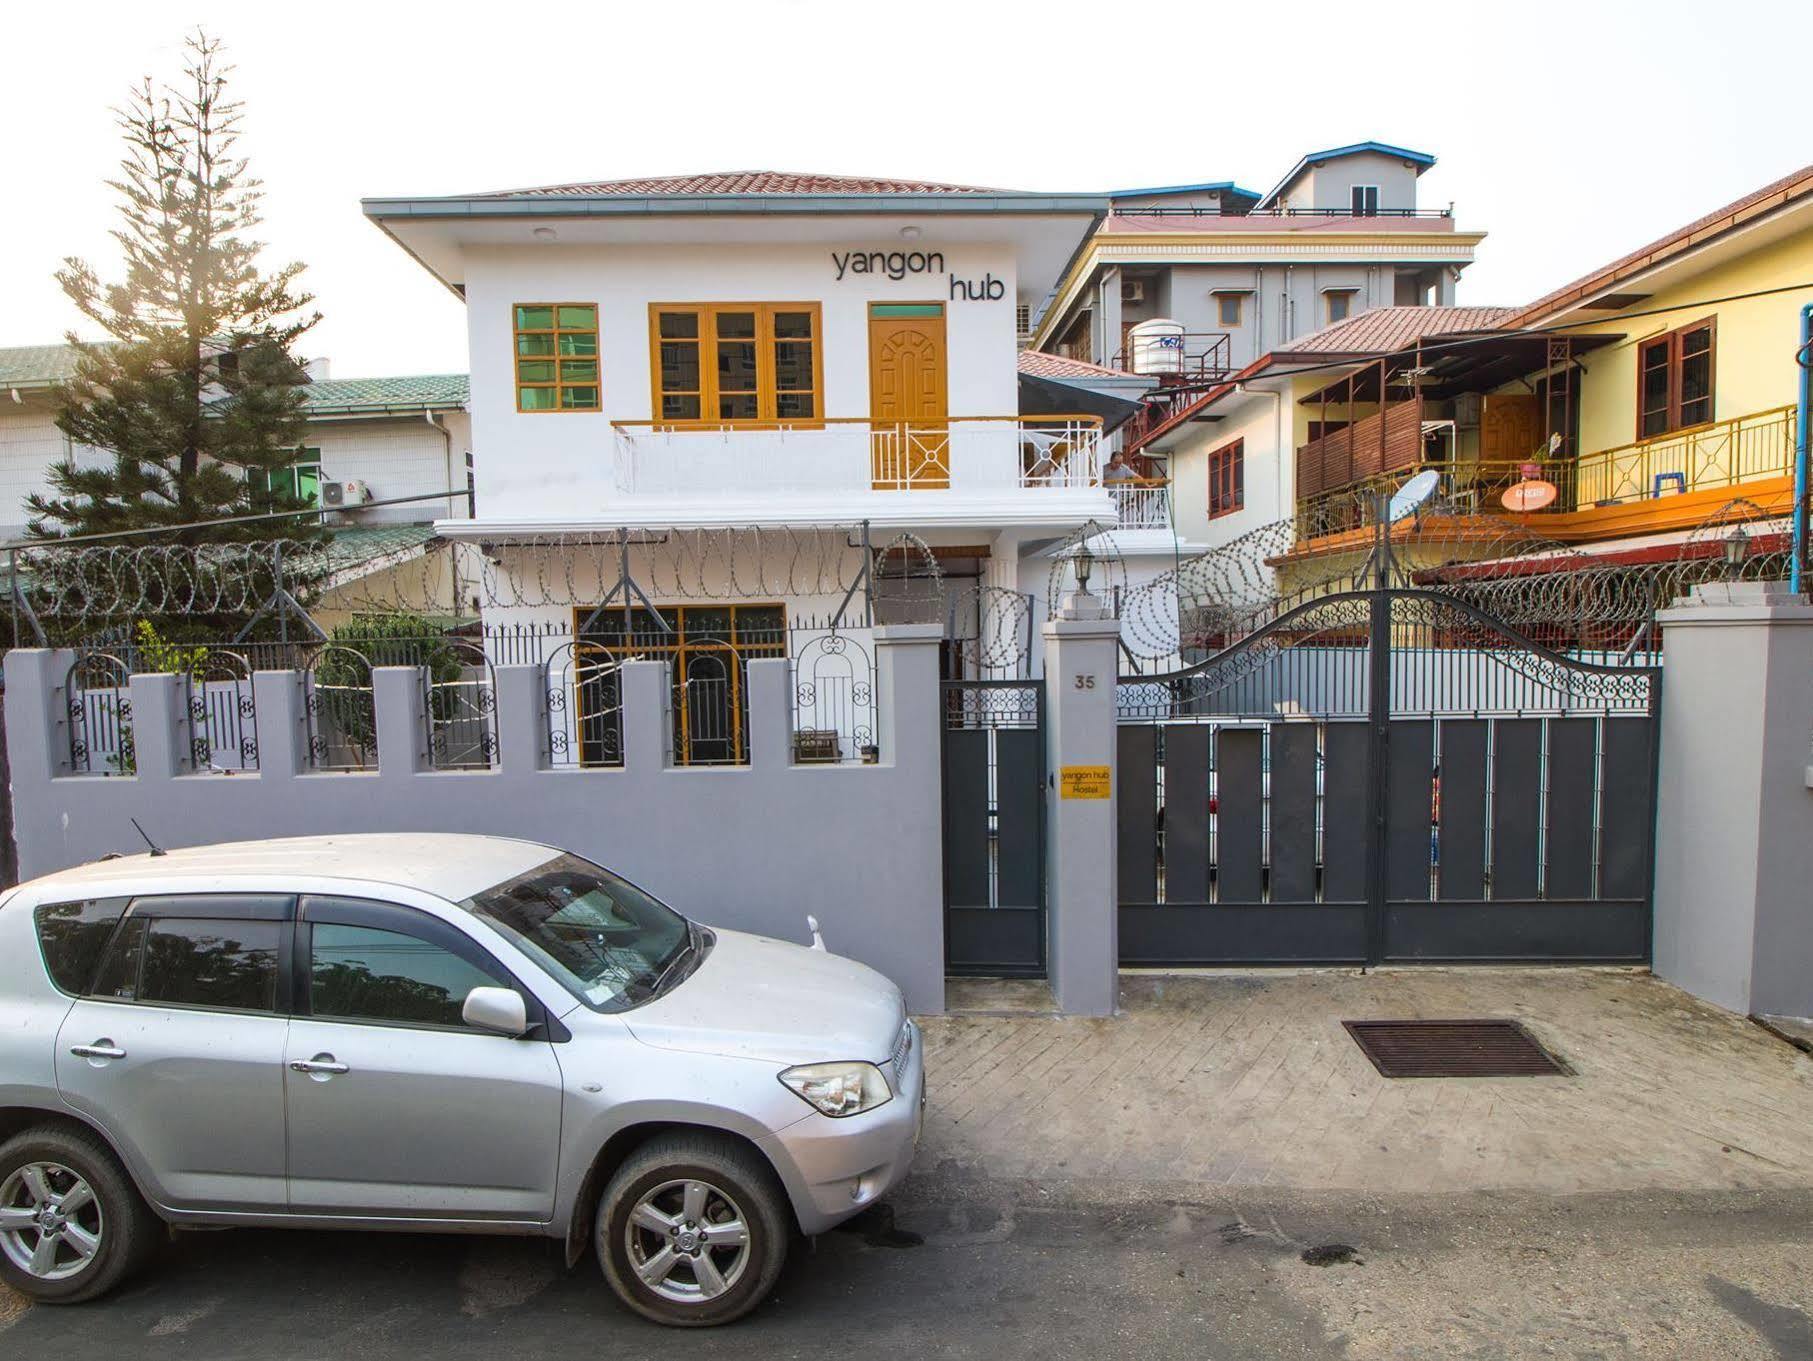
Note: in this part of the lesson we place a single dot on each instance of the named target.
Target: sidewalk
(1248, 1079)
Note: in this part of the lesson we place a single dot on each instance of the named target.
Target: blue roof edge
(1183, 189)
(1420, 158)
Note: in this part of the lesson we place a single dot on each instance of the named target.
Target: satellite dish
(1532, 494)
(1408, 499)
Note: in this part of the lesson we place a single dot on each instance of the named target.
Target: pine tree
(196, 393)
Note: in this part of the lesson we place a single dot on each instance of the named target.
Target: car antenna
(155, 848)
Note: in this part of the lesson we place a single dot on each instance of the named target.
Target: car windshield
(608, 943)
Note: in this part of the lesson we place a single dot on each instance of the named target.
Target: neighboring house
(1654, 395)
(379, 439)
(1230, 453)
(1243, 273)
(755, 351)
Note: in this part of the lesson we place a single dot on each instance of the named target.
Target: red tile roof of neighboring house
(1044, 364)
(1380, 331)
(1758, 203)
(742, 182)
(1385, 329)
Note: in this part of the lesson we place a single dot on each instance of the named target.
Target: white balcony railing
(982, 455)
(1141, 502)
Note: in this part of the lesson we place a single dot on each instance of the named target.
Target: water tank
(1157, 346)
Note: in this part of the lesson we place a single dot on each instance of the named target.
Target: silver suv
(432, 1032)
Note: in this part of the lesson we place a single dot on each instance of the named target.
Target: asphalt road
(989, 1270)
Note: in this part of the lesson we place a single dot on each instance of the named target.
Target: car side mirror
(496, 1009)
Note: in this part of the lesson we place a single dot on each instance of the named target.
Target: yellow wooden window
(557, 356)
(708, 649)
(736, 363)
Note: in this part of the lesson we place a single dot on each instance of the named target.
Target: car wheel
(72, 1224)
(692, 1230)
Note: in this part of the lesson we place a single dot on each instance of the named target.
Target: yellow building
(1633, 416)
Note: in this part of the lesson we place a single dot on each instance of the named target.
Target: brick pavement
(1249, 1079)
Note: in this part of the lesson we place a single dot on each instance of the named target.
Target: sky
(1570, 133)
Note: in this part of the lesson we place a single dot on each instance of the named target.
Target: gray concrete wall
(755, 847)
(1734, 825)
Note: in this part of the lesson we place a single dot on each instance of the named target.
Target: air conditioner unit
(339, 495)
(1133, 290)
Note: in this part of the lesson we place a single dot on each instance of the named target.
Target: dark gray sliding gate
(1387, 775)
(994, 815)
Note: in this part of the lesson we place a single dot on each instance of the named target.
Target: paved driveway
(1249, 1080)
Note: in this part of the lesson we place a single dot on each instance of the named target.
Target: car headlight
(838, 1089)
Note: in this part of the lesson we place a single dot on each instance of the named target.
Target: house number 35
(1085, 682)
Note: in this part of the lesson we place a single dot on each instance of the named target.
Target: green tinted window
(906, 309)
(301, 481)
(557, 356)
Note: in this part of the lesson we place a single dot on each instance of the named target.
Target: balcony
(1141, 502)
(1723, 454)
(974, 470)
(1343, 477)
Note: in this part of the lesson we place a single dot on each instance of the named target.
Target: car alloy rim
(50, 1221)
(687, 1240)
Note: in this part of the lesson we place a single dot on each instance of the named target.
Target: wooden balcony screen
(1383, 442)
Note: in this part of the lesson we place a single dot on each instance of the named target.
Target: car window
(365, 974)
(118, 975)
(73, 936)
(208, 963)
(605, 940)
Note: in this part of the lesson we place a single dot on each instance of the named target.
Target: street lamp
(1082, 563)
(1736, 548)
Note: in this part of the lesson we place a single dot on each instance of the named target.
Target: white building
(733, 371)
(368, 440)
(1243, 272)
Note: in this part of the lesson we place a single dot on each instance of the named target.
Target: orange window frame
(1671, 346)
(678, 649)
(1227, 479)
(708, 393)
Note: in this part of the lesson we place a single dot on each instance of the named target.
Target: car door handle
(100, 1049)
(321, 1063)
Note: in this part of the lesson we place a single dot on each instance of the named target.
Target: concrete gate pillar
(1734, 820)
(1083, 941)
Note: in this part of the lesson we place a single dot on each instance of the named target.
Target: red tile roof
(1380, 331)
(1758, 203)
(741, 182)
(1385, 329)
(1044, 364)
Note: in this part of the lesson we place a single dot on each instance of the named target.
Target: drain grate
(1452, 1049)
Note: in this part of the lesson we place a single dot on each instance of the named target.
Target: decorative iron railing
(1466, 488)
(1723, 454)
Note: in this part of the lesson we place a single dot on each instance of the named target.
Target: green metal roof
(23, 366)
(357, 396)
(31, 366)
(354, 546)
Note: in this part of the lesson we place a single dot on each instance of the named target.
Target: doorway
(908, 397)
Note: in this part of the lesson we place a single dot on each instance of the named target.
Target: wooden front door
(908, 397)
(1510, 428)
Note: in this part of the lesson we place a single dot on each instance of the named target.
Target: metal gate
(994, 827)
(1388, 774)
